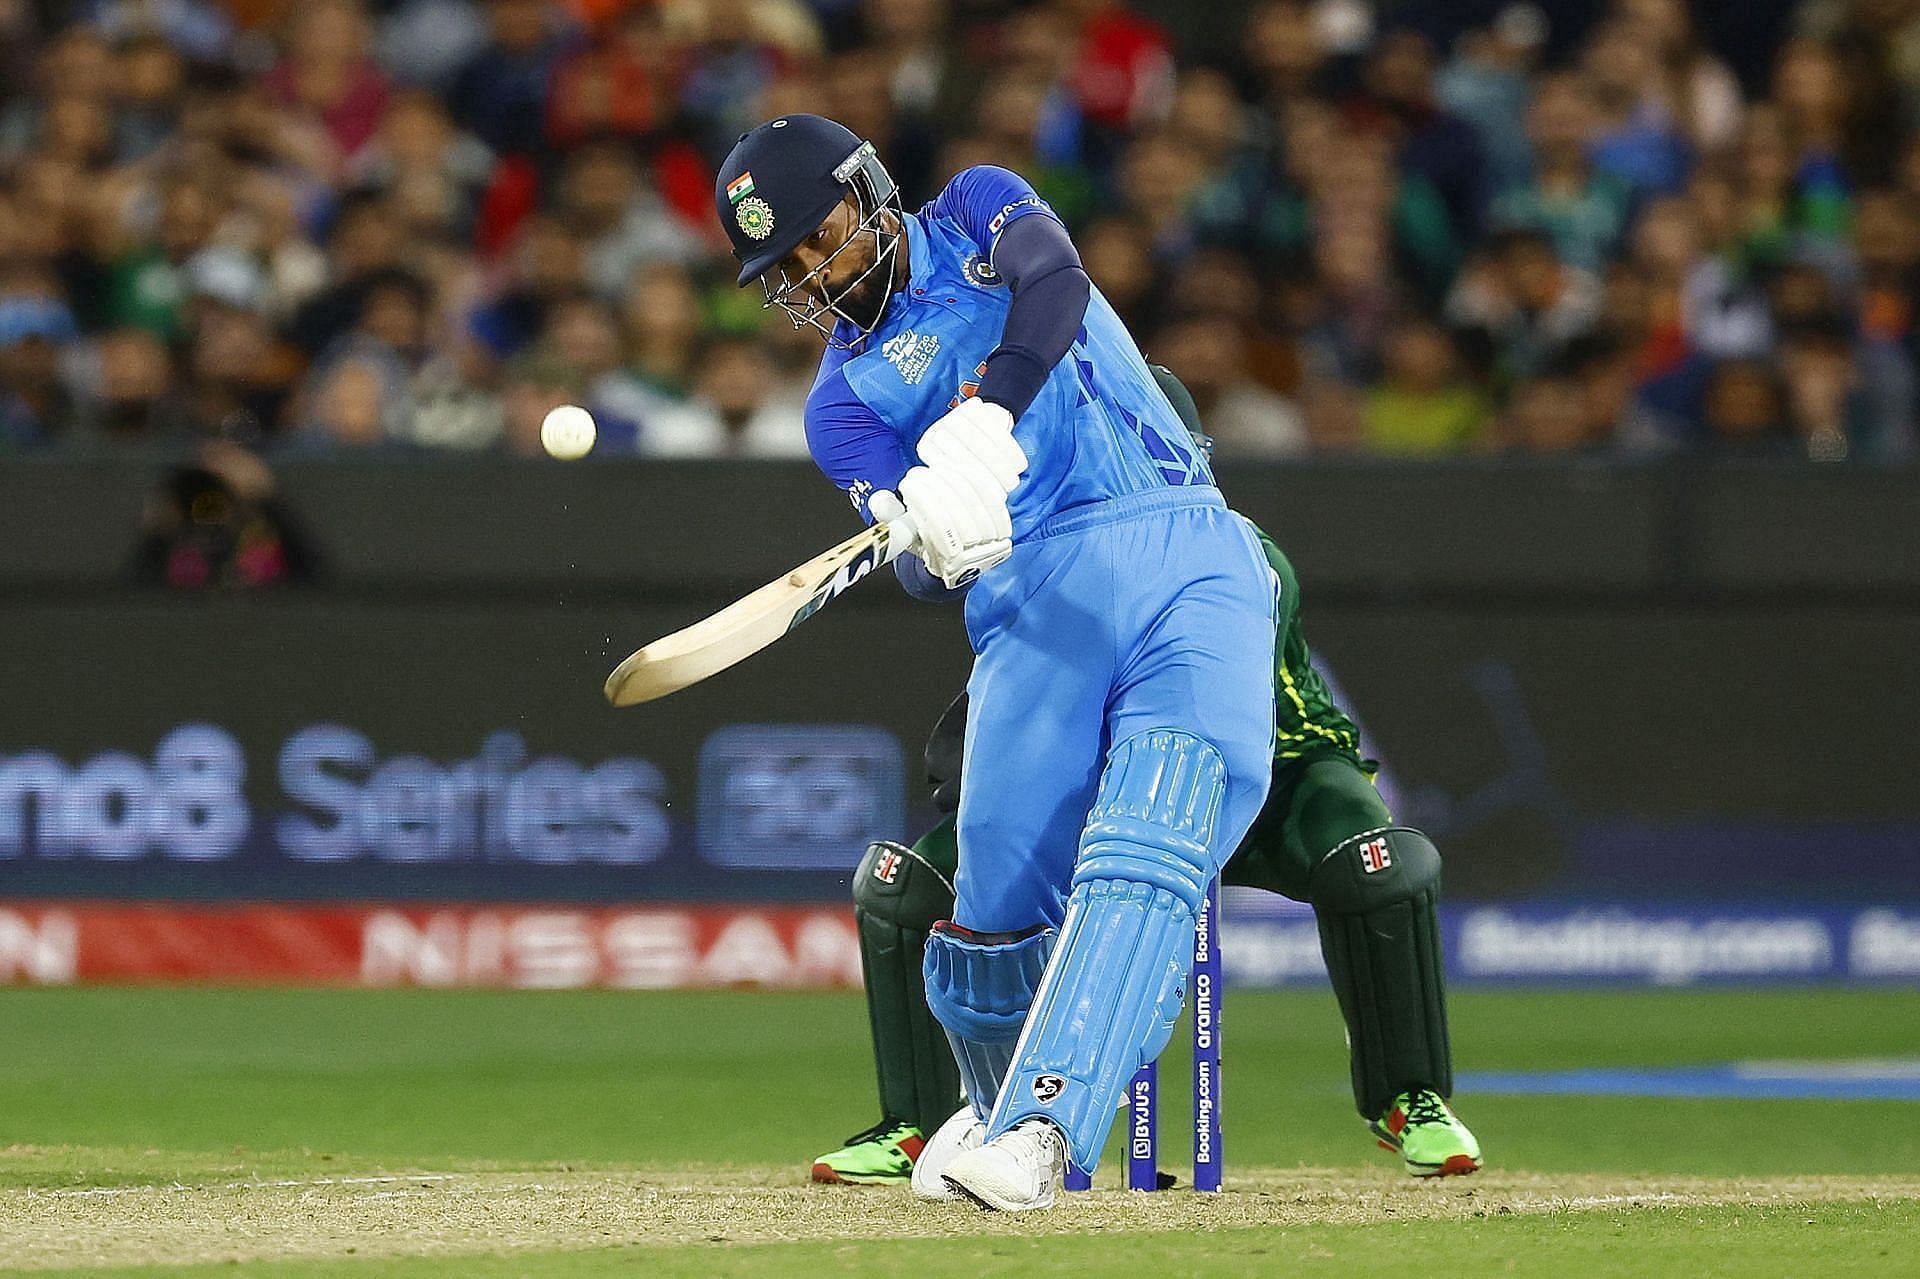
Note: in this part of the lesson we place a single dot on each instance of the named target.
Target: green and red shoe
(1423, 1130)
(883, 1155)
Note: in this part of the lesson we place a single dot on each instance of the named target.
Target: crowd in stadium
(415, 225)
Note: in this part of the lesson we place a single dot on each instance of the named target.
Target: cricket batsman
(1323, 837)
(1120, 731)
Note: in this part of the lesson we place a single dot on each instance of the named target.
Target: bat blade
(749, 624)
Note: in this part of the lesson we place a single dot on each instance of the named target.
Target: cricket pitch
(446, 1214)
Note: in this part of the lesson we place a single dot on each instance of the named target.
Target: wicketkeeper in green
(1325, 837)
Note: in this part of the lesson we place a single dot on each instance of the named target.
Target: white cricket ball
(568, 432)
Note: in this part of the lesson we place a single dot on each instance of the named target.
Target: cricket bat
(748, 625)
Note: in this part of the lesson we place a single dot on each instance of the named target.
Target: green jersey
(1306, 720)
(1307, 725)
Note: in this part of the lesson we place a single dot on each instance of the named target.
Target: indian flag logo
(740, 188)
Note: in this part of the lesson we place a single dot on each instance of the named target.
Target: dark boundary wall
(1591, 683)
(1357, 529)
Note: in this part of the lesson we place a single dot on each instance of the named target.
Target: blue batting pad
(1109, 999)
(980, 991)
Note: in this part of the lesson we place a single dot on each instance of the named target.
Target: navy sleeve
(849, 442)
(1050, 295)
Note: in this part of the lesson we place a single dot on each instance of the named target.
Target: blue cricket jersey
(1100, 427)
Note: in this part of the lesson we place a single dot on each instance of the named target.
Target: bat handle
(901, 535)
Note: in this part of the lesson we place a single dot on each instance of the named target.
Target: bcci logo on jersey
(980, 271)
(912, 354)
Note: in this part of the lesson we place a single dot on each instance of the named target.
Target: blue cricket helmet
(778, 184)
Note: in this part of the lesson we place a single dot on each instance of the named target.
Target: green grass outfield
(553, 1135)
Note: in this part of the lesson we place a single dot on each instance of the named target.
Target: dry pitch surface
(448, 1214)
(558, 1135)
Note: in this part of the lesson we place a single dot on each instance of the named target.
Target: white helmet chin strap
(806, 301)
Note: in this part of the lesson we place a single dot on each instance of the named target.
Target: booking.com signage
(788, 796)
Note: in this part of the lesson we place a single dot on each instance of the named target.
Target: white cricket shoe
(962, 1132)
(1016, 1171)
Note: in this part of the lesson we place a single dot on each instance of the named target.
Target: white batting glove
(957, 500)
(961, 526)
(978, 431)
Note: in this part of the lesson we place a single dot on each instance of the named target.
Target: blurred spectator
(237, 378)
(927, 69)
(199, 29)
(1888, 239)
(733, 49)
(362, 242)
(1012, 122)
(1349, 299)
(1584, 211)
(663, 326)
(1430, 141)
(216, 524)
(1547, 414)
(1124, 72)
(1117, 252)
(150, 81)
(500, 93)
(622, 220)
(1699, 91)
(1665, 250)
(1611, 412)
(1847, 398)
(1423, 403)
(430, 172)
(1520, 305)
(1284, 55)
(34, 321)
(1333, 414)
(132, 400)
(619, 85)
(360, 393)
(1159, 178)
(548, 263)
(1486, 83)
(536, 384)
(1639, 139)
(1811, 123)
(148, 285)
(1746, 410)
(583, 334)
(1724, 303)
(77, 65)
(418, 224)
(738, 409)
(328, 73)
(356, 402)
(426, 42)
(1245, 419)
